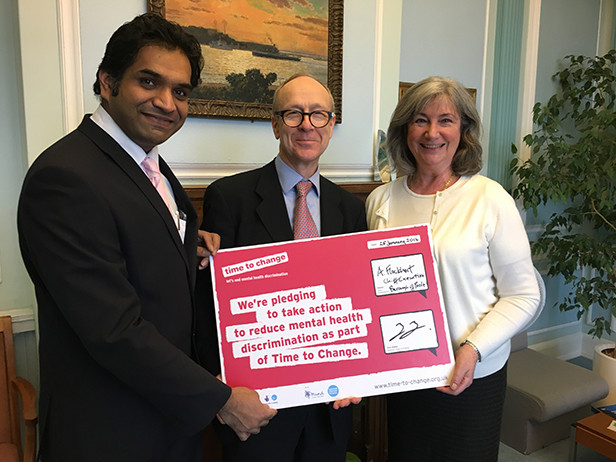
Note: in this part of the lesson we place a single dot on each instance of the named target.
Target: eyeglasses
(294, 119)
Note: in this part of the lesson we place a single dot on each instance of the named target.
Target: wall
(204, 148)
(434, 43)
(567, 27)
(16, 295)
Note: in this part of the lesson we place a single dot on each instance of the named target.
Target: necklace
(447, 182)
(411, 180)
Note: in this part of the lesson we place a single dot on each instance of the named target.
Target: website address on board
(408, 383)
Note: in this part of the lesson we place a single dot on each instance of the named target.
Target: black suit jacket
(249, 209)
(114, 286)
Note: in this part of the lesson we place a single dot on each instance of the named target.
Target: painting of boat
(221, 44)
(276, 55)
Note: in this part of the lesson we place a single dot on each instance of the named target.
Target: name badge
(181, 223)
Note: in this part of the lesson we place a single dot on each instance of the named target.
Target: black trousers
(428, 425)
(300, 434)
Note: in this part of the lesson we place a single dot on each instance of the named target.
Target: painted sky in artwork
(299, 26)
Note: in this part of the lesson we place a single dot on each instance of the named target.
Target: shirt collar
(289, 178)
(102, 118)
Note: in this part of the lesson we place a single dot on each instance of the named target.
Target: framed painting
(252, 47)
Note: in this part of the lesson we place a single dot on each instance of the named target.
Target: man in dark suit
(257, 207)
(111, 246)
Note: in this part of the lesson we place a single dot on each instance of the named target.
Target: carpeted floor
(557, 452)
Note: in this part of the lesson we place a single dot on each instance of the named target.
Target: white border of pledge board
(316, 320)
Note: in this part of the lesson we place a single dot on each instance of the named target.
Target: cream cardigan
(483, 256)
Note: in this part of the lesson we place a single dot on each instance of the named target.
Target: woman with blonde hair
(484, 263)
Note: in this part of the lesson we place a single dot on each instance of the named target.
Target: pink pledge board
(317, 320)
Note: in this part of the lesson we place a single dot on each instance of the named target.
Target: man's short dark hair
(147, 29)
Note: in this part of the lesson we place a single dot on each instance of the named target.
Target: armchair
(14, 389)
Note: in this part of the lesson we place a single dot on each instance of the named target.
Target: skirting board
(566, 347)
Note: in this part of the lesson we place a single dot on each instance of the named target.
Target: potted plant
(573, 168)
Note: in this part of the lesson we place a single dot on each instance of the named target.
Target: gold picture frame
(213, 106)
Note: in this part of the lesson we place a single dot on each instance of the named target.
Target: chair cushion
(551, 387)
(519, 341)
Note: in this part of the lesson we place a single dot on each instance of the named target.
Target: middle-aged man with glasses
(257, 207)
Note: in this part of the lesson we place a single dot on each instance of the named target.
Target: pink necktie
(153, 172)
(303, 224)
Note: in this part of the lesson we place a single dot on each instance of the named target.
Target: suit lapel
(126, 163)
(183, 203)
(272, 210)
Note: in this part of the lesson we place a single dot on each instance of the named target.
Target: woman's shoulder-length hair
(467, 159)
